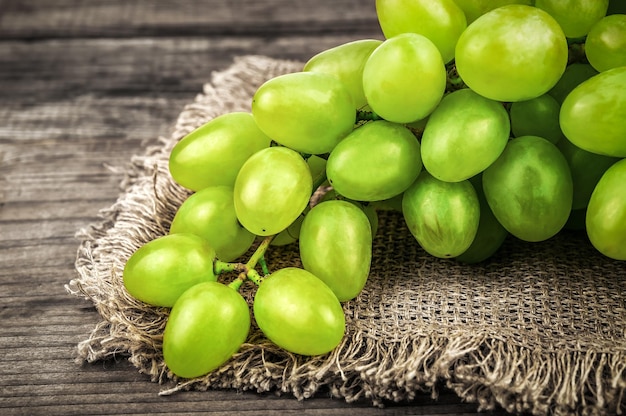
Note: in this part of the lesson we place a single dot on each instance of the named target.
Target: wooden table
(85, 85)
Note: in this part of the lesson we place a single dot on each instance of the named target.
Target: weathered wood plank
(17, 328)
(35, 19)
(63, 75)
(38, 252)
(224, 407)
(14, 344)
(61, 209)
(61, 387)
(67, 372)
(227, 409)
(52, 230)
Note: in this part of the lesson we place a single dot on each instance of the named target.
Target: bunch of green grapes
(476, 120)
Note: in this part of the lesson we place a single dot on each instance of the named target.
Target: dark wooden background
(84, 85)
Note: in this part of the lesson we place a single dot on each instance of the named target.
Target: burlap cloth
(539, 328)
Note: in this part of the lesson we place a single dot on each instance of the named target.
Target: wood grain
(84, 86)
(42, 19)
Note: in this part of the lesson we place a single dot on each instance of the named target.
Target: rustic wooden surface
(83, 87)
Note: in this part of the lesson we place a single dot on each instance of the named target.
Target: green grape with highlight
(161, 270)
(529, 188)
(575, 17)
(212, 154)
(346, 63)
(606, 213)
(441, 21)
(512, 53)
(272, 189)
(375, 162)
(309, 112)
(368, 208)
(206, 326)
(592, 115)
(210, 213)
(605, 46)
(336, 246)
(404, 78)
(463, 136)
(298, 312)
(442, 216)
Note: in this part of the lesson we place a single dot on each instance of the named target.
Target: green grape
(376, 161)
(463, 136)
(605, 46)
(317, 166)
(512, 53)
(441, 21)
(336, 246)
(537, 117)
(290, 234)
(473, 9)
(606, 213)
(212, 154)
(369, 209)
(442, 216)
(206, 326)
(573, 76)
(575, 16)
(392, 204)
(404, 78)
(490, 234)
(529, 188)
(592, 116)
(346, 62)
(162, 269)
(586, 168)
(298, 312)
(309, 112)
(210, 213)
(272, 189)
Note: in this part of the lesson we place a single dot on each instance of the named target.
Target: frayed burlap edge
(378, 360)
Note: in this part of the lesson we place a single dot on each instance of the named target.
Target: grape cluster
(476, 120)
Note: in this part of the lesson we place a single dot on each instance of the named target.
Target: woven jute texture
(539, 328)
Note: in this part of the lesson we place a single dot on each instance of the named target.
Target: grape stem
(259, 252)
(220, 267)
(363, 115)
(264, 267)
(247, 271)
(253, 276)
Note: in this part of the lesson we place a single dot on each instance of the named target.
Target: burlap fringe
(478, 365)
